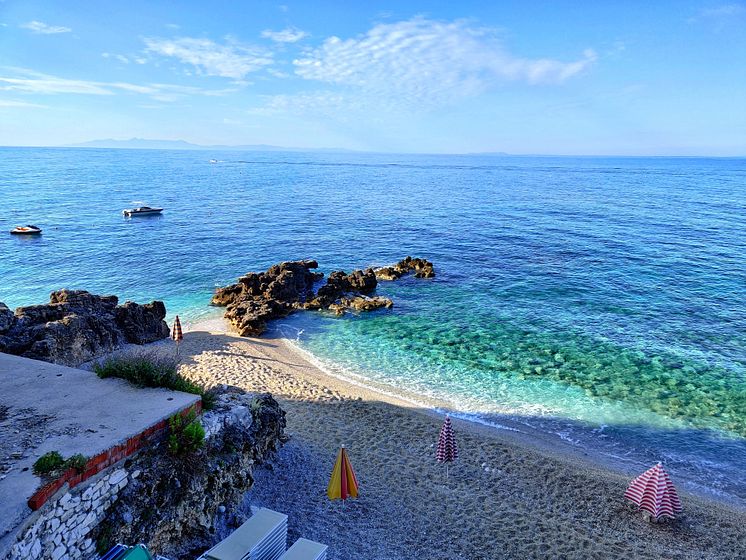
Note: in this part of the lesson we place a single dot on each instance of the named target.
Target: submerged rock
(422, 268)
(77, 326)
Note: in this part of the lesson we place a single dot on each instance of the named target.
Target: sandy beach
(504, 498)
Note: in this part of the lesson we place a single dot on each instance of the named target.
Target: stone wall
(170, 503)
(61, 529)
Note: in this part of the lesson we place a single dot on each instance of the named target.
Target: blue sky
(554, 77)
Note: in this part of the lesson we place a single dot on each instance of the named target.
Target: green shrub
(52, 462)
(151, 370)
(187, 433)
(77, 462)
(48, 463)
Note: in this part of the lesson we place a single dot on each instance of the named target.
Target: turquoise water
(600, 299)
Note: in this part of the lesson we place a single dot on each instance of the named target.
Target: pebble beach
(505, 497)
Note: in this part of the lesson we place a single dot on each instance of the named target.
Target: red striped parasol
(447, 451)
(176, 333)
(654, 492)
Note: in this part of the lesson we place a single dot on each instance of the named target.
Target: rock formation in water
(289, 286)
(422, 268)
(77, 326)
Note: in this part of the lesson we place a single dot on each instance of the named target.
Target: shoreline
(505, 427)
(508, 491)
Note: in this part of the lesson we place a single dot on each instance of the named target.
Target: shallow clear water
(599, 298)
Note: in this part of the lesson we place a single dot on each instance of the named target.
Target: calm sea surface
(602, 300)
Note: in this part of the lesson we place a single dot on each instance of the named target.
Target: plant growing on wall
(187, 433)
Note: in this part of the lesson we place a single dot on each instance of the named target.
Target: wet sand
(505, 497)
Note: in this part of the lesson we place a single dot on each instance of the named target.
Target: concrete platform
(46, 407)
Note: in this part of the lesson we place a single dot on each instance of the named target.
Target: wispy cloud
(287, 35)
(20, 104)
(120, 57)
(230, 60)
(43, 28)
(429, 62)
(31, 82)
(724, 11)
(720, 16)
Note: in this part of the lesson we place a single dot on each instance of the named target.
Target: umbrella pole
(446, 471)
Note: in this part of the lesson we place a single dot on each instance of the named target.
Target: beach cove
(507, 496)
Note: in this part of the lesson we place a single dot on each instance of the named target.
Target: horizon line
(247, 148)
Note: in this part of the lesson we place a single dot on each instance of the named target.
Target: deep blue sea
(598, 300)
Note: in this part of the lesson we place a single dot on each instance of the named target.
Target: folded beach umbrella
(654, 493)
(176, 333)
(343, 483)
(447, 451)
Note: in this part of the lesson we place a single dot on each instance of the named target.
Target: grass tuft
(152, 370)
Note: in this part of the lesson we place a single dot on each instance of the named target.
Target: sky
(555, 77)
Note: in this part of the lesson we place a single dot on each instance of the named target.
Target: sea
(598, 301)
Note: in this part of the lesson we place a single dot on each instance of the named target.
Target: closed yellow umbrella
(343, 483)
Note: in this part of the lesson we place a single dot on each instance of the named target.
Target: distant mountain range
(144, 144)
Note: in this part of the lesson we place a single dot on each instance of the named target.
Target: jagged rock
(339, 283)
(186, 492)
(77, 326)
(260, 297)
(286, 287)
(7, 318)
(361, 303)
(422, 268)
(142, 324)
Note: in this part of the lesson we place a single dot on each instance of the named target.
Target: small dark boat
(26, 230)
(142, 211)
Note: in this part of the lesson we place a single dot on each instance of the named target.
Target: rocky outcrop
(7, 318)
(260, 297)
(289, 286)
(142, 324)
(173, 504)
(422, 268)
(77, 326)
(176, 502)
(360, 303)
(339, 283)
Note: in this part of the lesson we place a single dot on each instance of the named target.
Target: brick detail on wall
(155, 433)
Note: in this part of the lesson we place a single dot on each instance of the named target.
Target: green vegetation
(48, 463)
(152, 370)
(52, 462)
(77, 462)
(187, 434)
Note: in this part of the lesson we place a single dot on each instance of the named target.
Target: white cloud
(720, 16)
(231, 60)
(287, 35)
(429, 62)
(31, 82)
(43, 28)
(724, 11)
(120, 57)
(14, 103)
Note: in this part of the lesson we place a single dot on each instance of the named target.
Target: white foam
(360, 381)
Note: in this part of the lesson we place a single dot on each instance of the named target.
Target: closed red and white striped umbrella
(176, 333)
(654, 492)
(447, 450)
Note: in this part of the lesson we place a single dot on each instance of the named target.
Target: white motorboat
(26, 230)
(142, 211)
